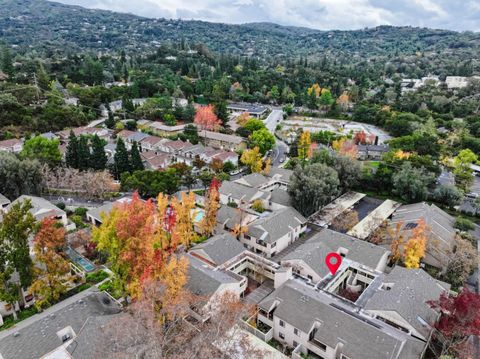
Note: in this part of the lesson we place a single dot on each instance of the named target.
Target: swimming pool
(76, 258)
(198, 215)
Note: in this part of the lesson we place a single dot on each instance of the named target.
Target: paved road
(279, 153)
(273, 119)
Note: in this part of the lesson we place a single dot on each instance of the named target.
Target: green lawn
(8, 321)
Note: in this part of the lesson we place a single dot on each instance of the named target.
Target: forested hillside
(50, 27)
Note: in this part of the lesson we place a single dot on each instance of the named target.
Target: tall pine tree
(135, 159)
(83, 154)
(121, 160)
(71, 156)
(98, 158)
(110, 121)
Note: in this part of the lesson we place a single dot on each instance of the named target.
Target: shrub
(81, 211)
(464, 224)
(61, 205)
(96, 277)
(257, 206)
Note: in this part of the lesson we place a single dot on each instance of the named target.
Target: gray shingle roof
(314, 250)
(276, 224)
(280, 196)
(202, 279)
(302, 306)
(40, 337)
(439, 223)
(239, 192)
(408, 294)
(255, 180)
(280, 174)
(219, 249)
(41, 208)
(3, 200)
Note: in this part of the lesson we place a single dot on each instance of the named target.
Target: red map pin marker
(333, 261)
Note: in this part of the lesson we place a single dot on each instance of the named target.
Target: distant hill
(49, 27)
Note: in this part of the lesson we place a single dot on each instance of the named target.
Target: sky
(460, 15)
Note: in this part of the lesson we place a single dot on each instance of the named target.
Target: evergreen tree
(135, 159)
(71, 156)
(98, 158)
(121, 161)
(110, 121)
(83, 154)
(221, 111)
(6, 62)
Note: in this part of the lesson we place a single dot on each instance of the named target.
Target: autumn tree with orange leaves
(185, 213)
(416, 245)
(206, 119)
(53, 273)
(212, 204)
(305, 146)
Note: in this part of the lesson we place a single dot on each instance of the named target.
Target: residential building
(95, 215)
(251, 109)
(161, 129)
(53, 333)
(222, 140)
(311, 322)
(439, 227)
(41, 208)
(131, 137)
(306, 259)
(402, 301)
(155, 160)
(85, 131)
(152, 143)
(274, 231)
(240, 194)
(372, 152)
(13, 145)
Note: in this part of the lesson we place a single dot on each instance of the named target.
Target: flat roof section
(374, 219)
(328, 213)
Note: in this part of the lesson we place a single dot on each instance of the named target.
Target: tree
(71, 156)
(212, 204)
(253, 159)
(411, 183)
(191, 134)
(6, 62)
(19, 177)
(185, 213)
(462, 171)
(42, 149)
(345, 222)
(459, 320)
(110, 120)
(348, 170)
(253, 124)
(461, 262)
(448, 195)
(464, 224)
(54, 270)
(313, 187)
(136, 163)
(15, 229)
(415, 247)
(221, 111)
(263, 139)
(305, 146)
(121, 160)
(207, 119)
(83, 153)
(98, 158)
(216, 165)
(150, 183)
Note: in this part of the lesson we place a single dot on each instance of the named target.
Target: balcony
(265, 317)
(258, 328)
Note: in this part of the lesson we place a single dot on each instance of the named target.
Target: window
(309, 277)
(281, 335)
(274, 244)
(295, 344)
(282, 323)
(295, 331)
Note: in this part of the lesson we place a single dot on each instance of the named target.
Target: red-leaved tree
(206, 118)
(459, 320)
